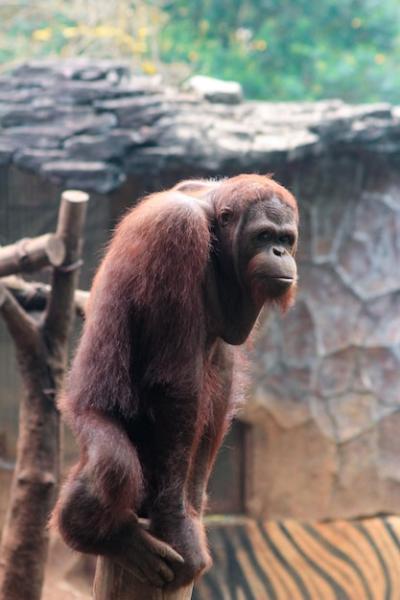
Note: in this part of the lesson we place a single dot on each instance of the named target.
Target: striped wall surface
(290, 560)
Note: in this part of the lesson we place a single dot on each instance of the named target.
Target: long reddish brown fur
(148, 288)
(145, 326)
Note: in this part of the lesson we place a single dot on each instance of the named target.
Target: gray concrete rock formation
(98, 112)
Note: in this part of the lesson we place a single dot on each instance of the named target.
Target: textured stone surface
(333, 363)
(114, 145)
(215, 90)
(33, 158)
(6, 152)
(46, 105)
(88, 175)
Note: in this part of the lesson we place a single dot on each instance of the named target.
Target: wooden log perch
(32, 254)
(71, 220)
(33, 295)
(112, 582)
(42, 354)
(22, 328)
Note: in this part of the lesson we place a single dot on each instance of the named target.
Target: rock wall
(94, 126)
(326, 396)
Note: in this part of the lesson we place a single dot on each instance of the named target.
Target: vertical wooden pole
(112, 582)
(42, 354)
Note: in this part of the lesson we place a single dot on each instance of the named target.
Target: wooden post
(112, 582)
(42, 353)
(32, 254)
(34, 295)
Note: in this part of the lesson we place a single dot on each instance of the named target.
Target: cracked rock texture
(325, 403)
(326, 395)
(60, 118)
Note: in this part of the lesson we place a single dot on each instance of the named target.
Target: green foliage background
(277, 49)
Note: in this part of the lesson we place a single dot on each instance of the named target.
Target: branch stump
(29, 255)
(112, 582)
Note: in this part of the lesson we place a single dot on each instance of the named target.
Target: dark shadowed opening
(228, 483)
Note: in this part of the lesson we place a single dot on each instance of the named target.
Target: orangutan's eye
(225, 216)
(265, 236)
(286, 240)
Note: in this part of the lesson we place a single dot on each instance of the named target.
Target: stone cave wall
(326, 395)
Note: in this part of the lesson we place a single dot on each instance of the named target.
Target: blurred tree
(291, 49)
(277, 49)
(96, 28)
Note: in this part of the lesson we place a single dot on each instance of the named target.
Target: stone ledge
(88, 111)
